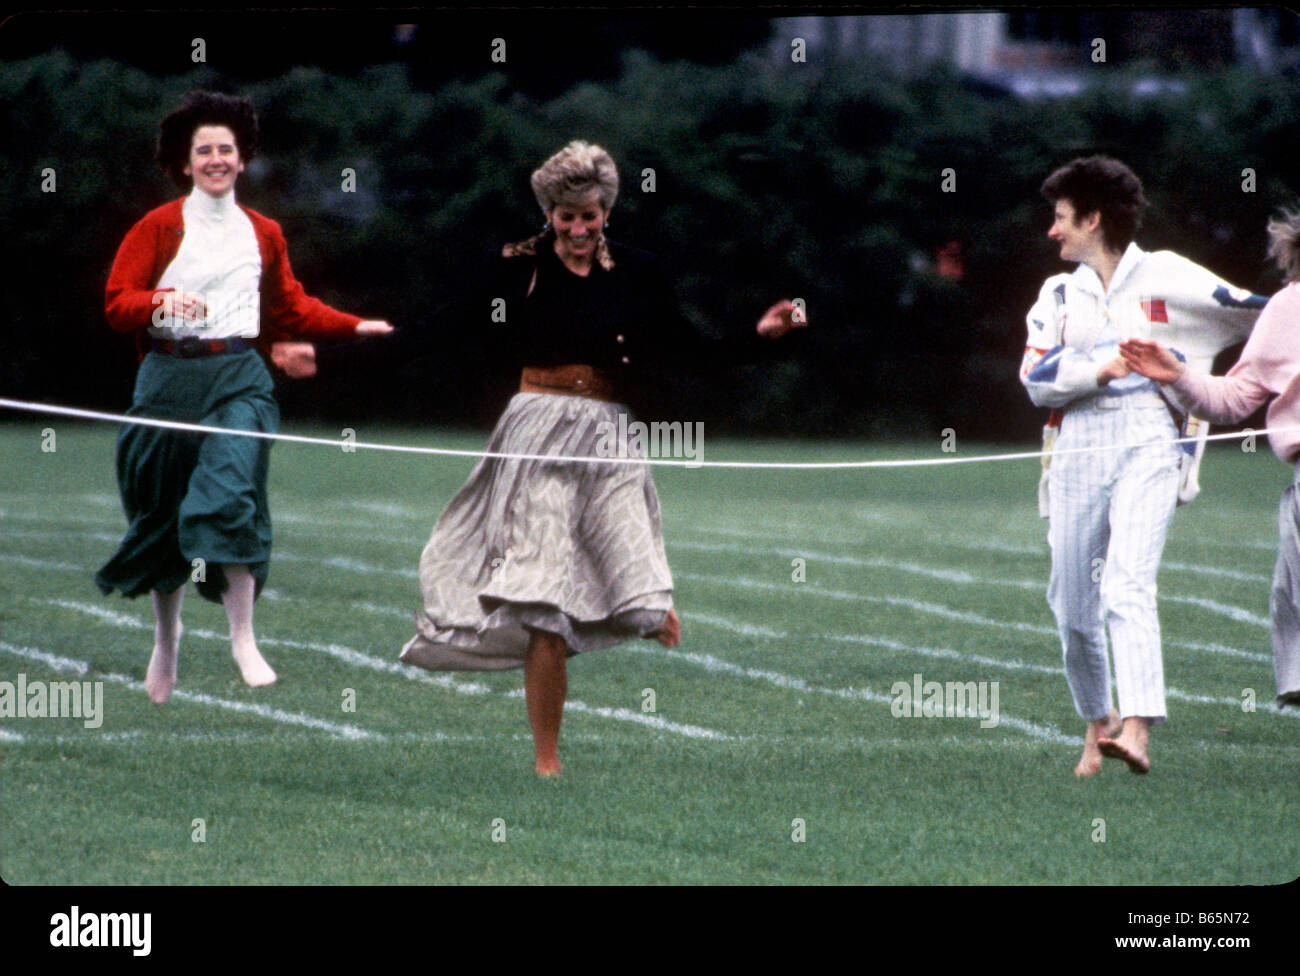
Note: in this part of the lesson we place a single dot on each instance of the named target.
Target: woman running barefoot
(203, 283)
(534, 561)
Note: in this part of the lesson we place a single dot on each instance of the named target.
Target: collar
(199, 204)
(544, 243)
(1086, 279)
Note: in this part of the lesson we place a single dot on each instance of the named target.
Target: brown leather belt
(576, 379)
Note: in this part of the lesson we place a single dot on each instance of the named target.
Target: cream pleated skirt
(572, 548)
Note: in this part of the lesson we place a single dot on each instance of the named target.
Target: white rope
(349, 445)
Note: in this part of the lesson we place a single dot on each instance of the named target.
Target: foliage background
(819, 180)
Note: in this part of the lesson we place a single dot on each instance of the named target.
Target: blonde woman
(534, 561)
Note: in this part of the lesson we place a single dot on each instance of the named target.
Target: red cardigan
(287, 311)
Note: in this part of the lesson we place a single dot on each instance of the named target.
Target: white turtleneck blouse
(219, 261)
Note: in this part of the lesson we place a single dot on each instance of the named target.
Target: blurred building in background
(1052, 52)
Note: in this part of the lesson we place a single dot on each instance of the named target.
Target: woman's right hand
(1152, 360)
(186, 305)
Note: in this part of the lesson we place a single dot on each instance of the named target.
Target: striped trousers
(1110, 512)
(1284, 600)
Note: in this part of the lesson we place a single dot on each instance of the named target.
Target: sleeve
(130, 299)
(1206, 313)
(1053, 373)
(288, 312)
(1246, 387)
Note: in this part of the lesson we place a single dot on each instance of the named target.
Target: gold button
(619, 338)
(626, 360)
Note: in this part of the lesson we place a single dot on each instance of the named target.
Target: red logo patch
(1154, 309)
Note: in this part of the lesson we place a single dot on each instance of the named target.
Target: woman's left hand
(1152, 360)
(781, 318)
(373, 327)
(296, 359)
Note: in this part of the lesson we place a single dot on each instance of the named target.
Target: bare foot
(1090, 761)
(1130, 746)
(670, 634)
(257, 673)
(548, 768)
(160, 677)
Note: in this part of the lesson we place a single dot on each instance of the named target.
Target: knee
(544, 646)
(1126, 597)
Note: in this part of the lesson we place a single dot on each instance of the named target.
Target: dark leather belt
(192, 348)
(577, 379)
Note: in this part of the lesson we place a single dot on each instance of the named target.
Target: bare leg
(546, 683)
(1104, 727)
(160, 678)
(238, 600)
(1131, 745)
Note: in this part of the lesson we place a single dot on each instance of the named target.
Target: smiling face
(1079, 237)
(214, 160)
(578, 225)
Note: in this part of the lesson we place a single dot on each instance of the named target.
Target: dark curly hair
(176, 133)
(1101, 184)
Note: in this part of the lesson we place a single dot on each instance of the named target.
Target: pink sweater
(1269, 365)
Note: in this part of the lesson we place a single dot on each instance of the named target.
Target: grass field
(772, 718)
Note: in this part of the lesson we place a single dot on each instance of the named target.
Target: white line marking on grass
(62, 534)
(27, 499)
(154, 738)
(651, 721)
(102, 520)
(66, 664)
(333, 532)
(935, 609)
(1220, 649)
(346, 654)
(360, 659)
(639, 718)
(352, 565)
(1015, 665)
(875, 562)
(736, 627)
(388, 509)
(41, 563)
(796, 533)
(965, 616)
(719, 665)
(946, 653)
(791, 683)
(1217, 571)
(8, 735)
(784, 681)
(1239, 614)
(965, 577)
(382, 611)
(993, 545)
(108, 616)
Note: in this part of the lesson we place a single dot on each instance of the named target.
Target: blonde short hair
(574, 172)
(1284, 243)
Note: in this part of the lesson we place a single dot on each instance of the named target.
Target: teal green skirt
(194, 501)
